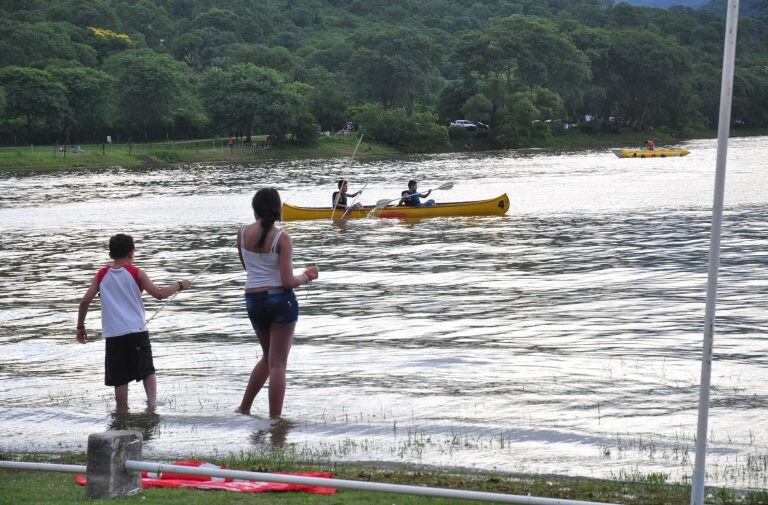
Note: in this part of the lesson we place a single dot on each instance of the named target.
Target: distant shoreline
(100, 156)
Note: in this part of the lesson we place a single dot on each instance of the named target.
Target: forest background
(78, 70)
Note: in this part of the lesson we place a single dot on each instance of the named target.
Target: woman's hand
(312, 273)
(81, 337)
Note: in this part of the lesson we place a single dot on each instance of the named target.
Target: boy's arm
(85, 303)
(424, 195)
(161, 292)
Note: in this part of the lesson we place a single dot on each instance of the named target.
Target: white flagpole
(723, 127)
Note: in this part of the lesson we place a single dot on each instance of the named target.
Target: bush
(166, 156)
(307, 130)
(459, 133)
(418, 132)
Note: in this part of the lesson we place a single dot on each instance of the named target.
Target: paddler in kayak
(413, 198)
(339, 198)
(403, 198)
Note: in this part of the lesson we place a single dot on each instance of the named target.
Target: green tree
(750, 96)
(147, 18)
(35, 96)
(25, 44)
(203, 47)
(652, 75)
(392, 65)
(90, 97)
(84, 13)
(417, 132)
(523, 51)
(152, 88)
(278, 58)
(329, 98)
(253, 99)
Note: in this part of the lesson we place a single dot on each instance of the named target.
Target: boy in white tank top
(128, 352)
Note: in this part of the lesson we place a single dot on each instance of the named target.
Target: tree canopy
(179, 68)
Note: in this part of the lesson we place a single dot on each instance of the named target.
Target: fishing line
(333, 212)
(335, 204)
(209, 265)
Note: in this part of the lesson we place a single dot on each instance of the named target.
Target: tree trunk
(410, 104)
(29, 128)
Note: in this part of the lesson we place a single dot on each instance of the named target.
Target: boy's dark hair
(341, 183)
(405, 192)
(120, 245)
(411, 183)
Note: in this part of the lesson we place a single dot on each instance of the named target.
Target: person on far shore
(128, 351)
(413, 198)
(339, 197)
(266, 255)
(649, 145)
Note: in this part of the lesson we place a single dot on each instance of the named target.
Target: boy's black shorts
(128, 357)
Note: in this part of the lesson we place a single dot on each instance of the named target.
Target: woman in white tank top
(265, 253)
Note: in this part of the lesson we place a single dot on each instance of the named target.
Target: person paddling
(266, 255)
(339, 199)
(413, 199)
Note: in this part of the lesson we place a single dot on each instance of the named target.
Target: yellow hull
(493, 207)
(644, 153)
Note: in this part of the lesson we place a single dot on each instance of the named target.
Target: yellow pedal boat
(494, 207)
(644, 153)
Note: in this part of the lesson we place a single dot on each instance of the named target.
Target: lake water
(564, 337)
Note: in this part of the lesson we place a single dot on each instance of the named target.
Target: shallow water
(562, 338)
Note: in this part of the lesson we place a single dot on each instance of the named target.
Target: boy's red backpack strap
(134, 271)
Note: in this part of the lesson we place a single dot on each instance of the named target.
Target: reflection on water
(274, 437)
(563, 338)
(147, 422)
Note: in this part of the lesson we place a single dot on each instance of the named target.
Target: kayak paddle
(383, 203)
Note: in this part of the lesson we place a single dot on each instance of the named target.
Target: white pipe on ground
(723, 129)
(143, 466)
(45, 467)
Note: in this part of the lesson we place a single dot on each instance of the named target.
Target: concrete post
(107, 453)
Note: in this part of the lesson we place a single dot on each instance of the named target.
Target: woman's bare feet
(239, 410)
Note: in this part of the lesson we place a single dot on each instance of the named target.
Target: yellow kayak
(644, 153)
(493, 207)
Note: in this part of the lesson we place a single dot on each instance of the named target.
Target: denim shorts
(274, 306)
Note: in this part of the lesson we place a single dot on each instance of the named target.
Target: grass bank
(25, 158)
(575, 139)
(208, 150)
(20, 487)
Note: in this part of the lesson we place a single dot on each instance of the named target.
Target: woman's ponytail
(267, 208)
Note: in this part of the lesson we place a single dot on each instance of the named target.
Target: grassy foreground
(42, 487)
(207, 150)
